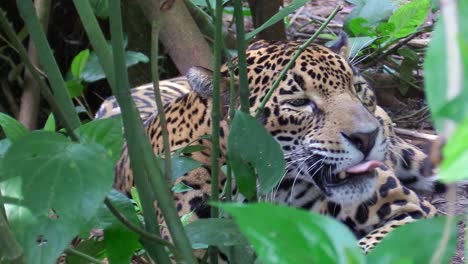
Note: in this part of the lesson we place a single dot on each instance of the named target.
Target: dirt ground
(408, 112)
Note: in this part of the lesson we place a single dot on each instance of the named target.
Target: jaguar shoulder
(343, 157)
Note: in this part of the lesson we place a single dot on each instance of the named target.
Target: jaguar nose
(363, 141)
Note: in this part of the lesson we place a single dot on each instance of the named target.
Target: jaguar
(343, 157)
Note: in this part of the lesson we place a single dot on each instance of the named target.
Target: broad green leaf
(455, 153)
(94, 72)
(50, 123)
(106, 132)
(403, 245)
(75, 88)
(359, 43)
(214, 232)
(435, 68)
(120, 242)
(280, 15)
(90, 247)
(100, 8)
(136, 198)
(358, 27)
(185, 219)
(409, 63)
(373, 11)
(133, 57)
(180, 188)
(59, 187)
(4, 145)
(249, 143)
(189, 149)
(180, 165)
(408, 18)
(12, 128)
(78, 63)
(281, 234)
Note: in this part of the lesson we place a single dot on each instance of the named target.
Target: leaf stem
(293, 59)
(82, 255)
(141, 232)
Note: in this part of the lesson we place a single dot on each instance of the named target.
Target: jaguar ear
(340, 46)
(201, 81)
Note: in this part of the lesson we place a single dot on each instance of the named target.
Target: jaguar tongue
(364, 166)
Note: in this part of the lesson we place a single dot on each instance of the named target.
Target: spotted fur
(326, 120)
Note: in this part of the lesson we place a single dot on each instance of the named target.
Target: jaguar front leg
(395, 205)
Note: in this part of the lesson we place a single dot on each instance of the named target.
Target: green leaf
(100, 8)
(59, 187)
(203, 3)
(280, 15)
(435, 69)
(78, 63)
(133, 57)
(91, 247)
(358, 27)
(214, 232)
(4, 146)
(455, 155)
(250, 143)
(185, 219)
(106, 132)
(181, 165)
(12, 128)
(403, 245)
(180, 188)
(120, 242)
(136, 198)
(50, 123)
(373, 11)
(359, 43)
(408, 18)
(94, 72)
(294, 236)
(409, 63)
(189, 149)
(75, 88)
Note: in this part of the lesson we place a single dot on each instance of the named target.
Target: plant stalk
(216, 117)
(155, 25)
(44, 52)
(139, 146)
(82, 255)
(56, 107)
(294, 58)
(96, 38)
(241, 57)
(141, 232)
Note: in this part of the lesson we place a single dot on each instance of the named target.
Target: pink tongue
(365, 166)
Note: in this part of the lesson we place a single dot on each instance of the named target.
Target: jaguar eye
(299, 102)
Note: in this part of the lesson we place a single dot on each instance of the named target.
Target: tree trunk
(180, 35)
(262, 10)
